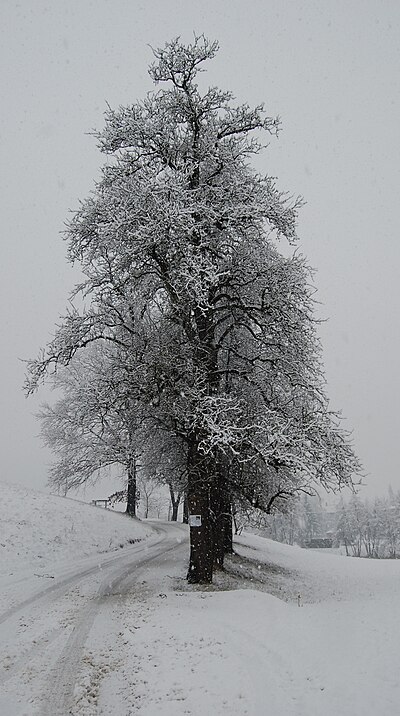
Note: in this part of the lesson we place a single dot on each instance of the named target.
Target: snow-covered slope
(40, 534)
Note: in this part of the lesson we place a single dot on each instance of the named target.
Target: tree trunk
(131, 491)
(185, 516)
(217, 514)
(222, 513)
(203, 478)
(175, 502)
(227, 520)
(201, 535)
(228, 531)
(175, 508)
(201, 538)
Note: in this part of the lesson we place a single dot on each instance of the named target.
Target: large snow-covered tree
(178, 248)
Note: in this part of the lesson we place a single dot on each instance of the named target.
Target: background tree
(391, 523)
(370, 529)
(94, 424)
(344, 533)
(177, 245)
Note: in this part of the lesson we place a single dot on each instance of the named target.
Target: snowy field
(90, 628)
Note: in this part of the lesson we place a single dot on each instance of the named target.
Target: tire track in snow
(60, 585)
(62, 678)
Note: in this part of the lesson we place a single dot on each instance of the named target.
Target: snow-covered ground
(42, 535)
(284, 631)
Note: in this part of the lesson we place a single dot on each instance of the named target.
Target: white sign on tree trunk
(194, 520)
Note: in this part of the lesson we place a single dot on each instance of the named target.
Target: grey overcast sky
(329, 68)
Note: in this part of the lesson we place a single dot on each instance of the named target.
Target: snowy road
(44, 633)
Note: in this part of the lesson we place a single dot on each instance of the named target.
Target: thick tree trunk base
(201, 536)
(201, 554)
(193, 578)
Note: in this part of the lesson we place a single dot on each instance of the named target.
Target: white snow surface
(283, 632)
(42, 535)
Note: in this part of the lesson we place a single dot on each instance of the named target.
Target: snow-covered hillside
(42, 534)
(283, 632)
